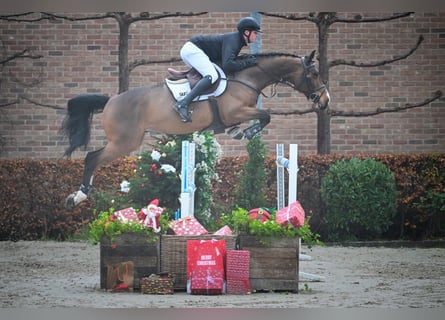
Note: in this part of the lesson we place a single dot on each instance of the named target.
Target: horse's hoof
(69, 202)
(250, 134)
(74, 199)
(235, 133)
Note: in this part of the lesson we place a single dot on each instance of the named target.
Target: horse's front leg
(255, 129)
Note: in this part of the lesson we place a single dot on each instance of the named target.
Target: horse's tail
(76, 125)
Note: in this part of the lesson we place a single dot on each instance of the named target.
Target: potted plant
(274, 249)
(122, 241)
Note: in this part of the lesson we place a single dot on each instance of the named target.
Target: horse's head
(307, 80)
(297, 72)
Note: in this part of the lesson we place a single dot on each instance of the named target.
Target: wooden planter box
(174, 255)
(273, 263)
(129, 247)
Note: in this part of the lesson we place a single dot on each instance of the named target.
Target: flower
(168, 168)
(155, 155)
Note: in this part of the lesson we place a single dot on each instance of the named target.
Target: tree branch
(22, 54)
(40, 104)
(54, 16)
(18, 17)
(378, 63)
(9, 103)
(361, 19)
(291, 16)
(338, 113)
(286, 113)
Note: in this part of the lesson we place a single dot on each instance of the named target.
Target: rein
(273, 90)
(314, 97)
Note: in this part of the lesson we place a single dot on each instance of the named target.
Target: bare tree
(124, 21)
(10, 58)
(324, 20)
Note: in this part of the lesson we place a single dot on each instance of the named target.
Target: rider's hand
(250, 61)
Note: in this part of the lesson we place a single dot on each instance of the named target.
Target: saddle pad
(180, 88)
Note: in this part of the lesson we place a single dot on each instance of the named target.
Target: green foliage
(157, 176)
(240, 223)
(105, 224)
(433, 206)
(360, 199)
(252, 181)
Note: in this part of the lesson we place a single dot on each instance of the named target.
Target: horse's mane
(270, 54)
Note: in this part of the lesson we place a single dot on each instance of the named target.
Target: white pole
(293, 173)
(187, 179)
(280, 177)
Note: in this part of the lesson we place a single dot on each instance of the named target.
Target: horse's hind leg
(90, 164)
(92, 161)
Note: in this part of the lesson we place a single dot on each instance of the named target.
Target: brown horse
(127, 116)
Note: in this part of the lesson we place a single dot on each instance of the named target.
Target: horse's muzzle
(316, 98)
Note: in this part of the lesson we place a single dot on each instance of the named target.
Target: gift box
(188, 226)
(205, 266)
(173, 255)
(224, 231)
(205, 255)
(207, 282)
(157, 284)
(293, 214)
(127, 215)
(237, 271)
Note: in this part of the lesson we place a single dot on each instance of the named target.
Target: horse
(128, 115)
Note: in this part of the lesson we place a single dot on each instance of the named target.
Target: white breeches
(196, 58)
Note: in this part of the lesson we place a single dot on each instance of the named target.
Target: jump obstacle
(188, 186)
(291, 165)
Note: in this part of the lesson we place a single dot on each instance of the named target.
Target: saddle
(181, 82)
(193, 77)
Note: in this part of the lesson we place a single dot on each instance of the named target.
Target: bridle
(314, 96)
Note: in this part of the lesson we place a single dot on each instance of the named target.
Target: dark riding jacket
(223, 49)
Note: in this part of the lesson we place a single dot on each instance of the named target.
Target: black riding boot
(181, 107)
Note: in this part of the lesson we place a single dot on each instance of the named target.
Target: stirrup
(183, 112)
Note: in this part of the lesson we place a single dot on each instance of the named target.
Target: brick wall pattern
(81, 57)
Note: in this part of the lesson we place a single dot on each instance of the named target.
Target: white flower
(155, 155)
(168, 168)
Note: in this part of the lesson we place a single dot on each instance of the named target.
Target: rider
(200, 51)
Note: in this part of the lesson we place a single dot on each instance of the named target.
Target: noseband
(314, 97)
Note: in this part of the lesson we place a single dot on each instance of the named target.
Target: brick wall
(81, 57)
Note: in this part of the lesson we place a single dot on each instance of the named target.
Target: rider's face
(250, 35)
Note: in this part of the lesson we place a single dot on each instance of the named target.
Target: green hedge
(33, 193)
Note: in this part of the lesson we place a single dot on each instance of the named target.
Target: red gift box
(205, 266)
(293, 214)
(205, 254)
(224, 231)
(188, 226)
(127, 215)
(237, 271)
(207, 281)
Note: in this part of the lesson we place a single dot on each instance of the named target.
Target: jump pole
(291, 165)
(188, 187)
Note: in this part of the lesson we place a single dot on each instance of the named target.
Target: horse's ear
(311, 57)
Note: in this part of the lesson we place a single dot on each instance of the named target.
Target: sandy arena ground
(66, 274)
